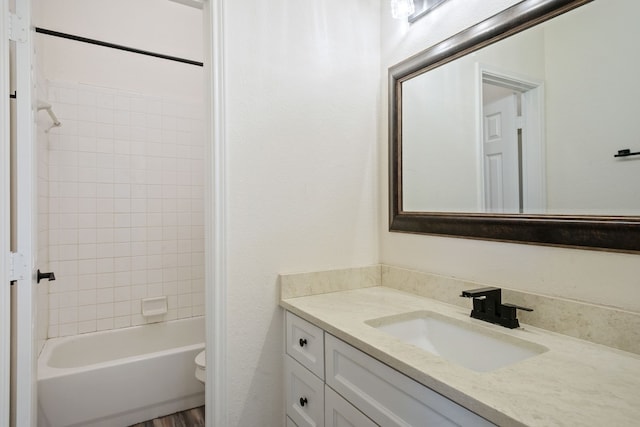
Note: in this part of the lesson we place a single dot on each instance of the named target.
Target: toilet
(201, 365)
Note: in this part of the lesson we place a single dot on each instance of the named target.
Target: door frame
(5, 288)
(216, 385)
(25, 405)
(533, 134)
(215, 222)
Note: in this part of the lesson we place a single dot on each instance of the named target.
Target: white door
(501, 156)
(24, 354)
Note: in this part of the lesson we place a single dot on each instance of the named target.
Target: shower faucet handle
(49, 276)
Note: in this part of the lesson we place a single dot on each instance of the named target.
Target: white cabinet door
(385, 395)
(305, 343)
(340, 413)
(304, 395)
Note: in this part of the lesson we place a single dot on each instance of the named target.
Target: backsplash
(125, 207)
(599, 324)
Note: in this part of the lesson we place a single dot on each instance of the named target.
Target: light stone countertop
(575, 383)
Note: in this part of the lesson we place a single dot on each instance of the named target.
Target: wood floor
(190, 418)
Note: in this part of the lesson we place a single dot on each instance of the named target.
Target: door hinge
(17, 28)
(17, 266)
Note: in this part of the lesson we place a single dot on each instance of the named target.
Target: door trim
(533, 135)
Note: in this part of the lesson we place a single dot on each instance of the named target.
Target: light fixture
(401, 9)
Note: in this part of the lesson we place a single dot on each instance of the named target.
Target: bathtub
(120, 377)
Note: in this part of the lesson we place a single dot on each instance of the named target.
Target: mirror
(508, 130)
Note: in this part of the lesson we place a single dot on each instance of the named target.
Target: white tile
(87, 282)
(170, 288)
(139, 235)
(121, 322)
(86, 205)
(53, 331)
(104, 250)
(122, 264)
(53, 317)
(122, 220)
(88, 312)
(85, 221)
(87, 326)
(121, 143)
(138, 292)
(105, 220)
(105, 324)
(104, 265)
(67, 237)
(104, 311)
(122, 248)
(87, 266)
(68, 315)
(122, 308)
(105, 190)
(122, 293)
(122, 235)
(87, 251)
(87, 297)
(105, 280)
(86, 189)
(86, 98)
(86, 144)
(122, 278)
(154, 289)
(65, 330)
(184, 313)
(155, 274)
(105, 295)
(139, 277)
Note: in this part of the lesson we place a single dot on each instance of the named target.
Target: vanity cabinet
(331, 383)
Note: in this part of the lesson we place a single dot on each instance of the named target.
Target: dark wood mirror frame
(611, 233)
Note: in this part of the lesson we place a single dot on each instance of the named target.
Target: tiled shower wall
(126, 206)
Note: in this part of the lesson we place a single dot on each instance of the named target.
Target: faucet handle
(481, 292)
(517, 307)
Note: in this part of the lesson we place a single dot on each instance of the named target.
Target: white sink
(474, 347)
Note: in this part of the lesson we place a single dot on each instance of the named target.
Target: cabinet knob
(302, 342)
(303, 401)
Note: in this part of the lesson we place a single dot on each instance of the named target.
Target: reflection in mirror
(507, 131)
(530, 124)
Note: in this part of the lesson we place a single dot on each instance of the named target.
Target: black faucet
(487, 306)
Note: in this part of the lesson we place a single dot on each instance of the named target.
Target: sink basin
(474, 347)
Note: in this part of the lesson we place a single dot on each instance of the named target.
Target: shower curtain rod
(116, 46)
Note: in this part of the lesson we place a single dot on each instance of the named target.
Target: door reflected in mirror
(531, 123)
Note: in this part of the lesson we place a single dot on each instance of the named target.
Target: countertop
(574, 383)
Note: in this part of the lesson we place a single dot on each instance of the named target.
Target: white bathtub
(120, 377)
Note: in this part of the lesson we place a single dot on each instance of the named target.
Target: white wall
(302, 84)
(599, 277)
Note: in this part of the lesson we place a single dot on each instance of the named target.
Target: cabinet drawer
(388, 397)
(304, 395)
(305, 343)
(340, 413)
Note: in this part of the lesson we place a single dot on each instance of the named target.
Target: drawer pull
(303, 401)
(302, 342)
